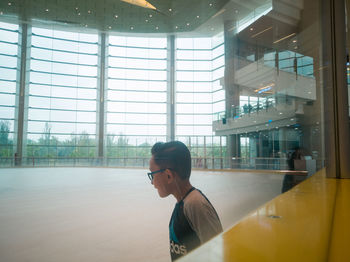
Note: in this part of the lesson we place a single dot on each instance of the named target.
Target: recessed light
(89, 12)
(236, 11)
(176, 27)
(170, 9)
(197, 16)
(47, 10)
(157, 27)
(294, 41)
(251, 29)
(188, 24)
(1, 13)
(212, 29)
(9, 3)
(110, 27)
(150, 15)
(79, 13)
(115, 16)
(210, 4)
(86, 25)
(131, 28)
(76, 8)
(146, 20)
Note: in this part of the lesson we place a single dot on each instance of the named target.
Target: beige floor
(106, 214)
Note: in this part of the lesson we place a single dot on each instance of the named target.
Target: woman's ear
(170, 175)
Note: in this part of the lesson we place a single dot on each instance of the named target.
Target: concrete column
(231, 48)
(101, 97)
(335, 89)
(231, 90)
(171, 88)
(21, 114)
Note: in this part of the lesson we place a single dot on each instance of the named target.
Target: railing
(197, 162)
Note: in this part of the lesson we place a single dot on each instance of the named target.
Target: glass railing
(298, 65)
(258, 163)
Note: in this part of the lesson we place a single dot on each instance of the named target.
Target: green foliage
(6, 144)
(84, 146)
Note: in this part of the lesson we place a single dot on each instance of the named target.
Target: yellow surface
(340, 239)
(295, 226)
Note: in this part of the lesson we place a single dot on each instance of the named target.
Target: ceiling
(201, 17)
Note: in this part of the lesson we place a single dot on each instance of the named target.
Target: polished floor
(107, 214)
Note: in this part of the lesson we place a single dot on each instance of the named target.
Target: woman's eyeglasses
(150, 175)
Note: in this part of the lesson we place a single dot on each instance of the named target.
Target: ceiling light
(170, 9)
(283, 38)
(236, 11)
(142, 3)
(47, 10)
(210, 4)
(157, 27)
(9, 3)
(212, 29)
(188, 24)
(86, 25)
(131, 28)
(219, 13)
(176, 27)
(1, 13)
(79, 13)
(150, 15)
(146, 20)
(197, 16)
(294, 41)
(116, 16)
(76, 8)
(261, 32)
(251, 29)
(110, 27)
(89, 12)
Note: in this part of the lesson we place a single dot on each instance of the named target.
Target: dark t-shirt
(193, 222)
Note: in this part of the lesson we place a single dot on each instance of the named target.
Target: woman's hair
(173, 155)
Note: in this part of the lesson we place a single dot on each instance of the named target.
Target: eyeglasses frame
(150, 174)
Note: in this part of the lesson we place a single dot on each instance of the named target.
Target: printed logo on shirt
(177, 249)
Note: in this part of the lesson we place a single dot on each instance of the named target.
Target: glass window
(136, 93)
(8, 78)
(62, 92)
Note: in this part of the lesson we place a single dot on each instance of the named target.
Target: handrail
(201, 162)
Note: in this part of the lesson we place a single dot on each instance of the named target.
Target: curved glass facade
(136, 97)
(62, 93)
(200, 97)
(63, 85)
(9, 36)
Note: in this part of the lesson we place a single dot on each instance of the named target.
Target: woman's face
(160, 179)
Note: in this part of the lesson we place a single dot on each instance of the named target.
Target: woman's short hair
(173, 155)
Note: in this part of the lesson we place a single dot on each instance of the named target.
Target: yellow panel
(294, 226)
(340, 243)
